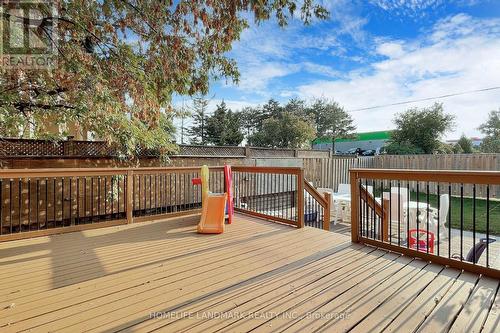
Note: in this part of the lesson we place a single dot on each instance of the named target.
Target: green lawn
(468, 212)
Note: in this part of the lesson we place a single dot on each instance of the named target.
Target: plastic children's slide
(213, 214)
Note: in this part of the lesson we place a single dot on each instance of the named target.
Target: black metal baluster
(408, 214)
(427, 188)
(487, 225)
(390, 211)
(46, 203)
(29, 204)
(150, 196)
(418, 216)
(84, 199)
(368, 212)
(20, 202)
(170, 192)
(474, 223)
(438, 217)
(106, 197)
(77, 219)
(139, 195)
(70, 200)
(91, 199)
(98, 198)
(399, 213)
(449, 221)
(381, 231)
(461, 221)
(62, 202)
(156, 193)
(118, 214)
(113, 196)
(361, 211)
(176, 192)
(374, 215)
(10, 204)
(37, 203)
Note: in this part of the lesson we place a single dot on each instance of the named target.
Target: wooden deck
(258, 275)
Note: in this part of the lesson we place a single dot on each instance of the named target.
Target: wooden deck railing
(425, 214)
(270, 193)
(36, 202)
(317, 208)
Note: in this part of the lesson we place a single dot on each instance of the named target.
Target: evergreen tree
(224, 127)
(198, 131)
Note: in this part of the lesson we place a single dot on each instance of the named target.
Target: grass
(468, 203)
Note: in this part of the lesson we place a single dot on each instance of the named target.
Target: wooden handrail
(68, 172)
(280, 170)
(381, 210)
(324, 202)
(450, 176)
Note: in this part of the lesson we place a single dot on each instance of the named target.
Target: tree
(491, 128)
(198, 131)
(121, 61)
(331, 120)
(404, 148)
(224, 127)
(464, 145)
(286, 131)
(422, 128)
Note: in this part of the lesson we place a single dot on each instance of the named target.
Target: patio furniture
(441, 218)
(476, 251)
(418, 240)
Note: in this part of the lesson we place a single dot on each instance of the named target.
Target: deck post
(130, 199)
(300, 198)
(326, 219)
(354, 207)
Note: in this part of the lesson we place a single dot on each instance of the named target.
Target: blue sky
(375, 52)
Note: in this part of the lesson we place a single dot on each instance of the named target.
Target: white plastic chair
(444, 207)
(344, 189)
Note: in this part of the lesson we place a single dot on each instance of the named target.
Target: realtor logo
(28, 34)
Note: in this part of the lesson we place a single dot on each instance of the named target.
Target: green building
(364, 141)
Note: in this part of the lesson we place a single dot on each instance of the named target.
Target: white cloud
(459, 54)
(267, 52)
(390, 49)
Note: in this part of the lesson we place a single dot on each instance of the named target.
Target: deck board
(258, 275)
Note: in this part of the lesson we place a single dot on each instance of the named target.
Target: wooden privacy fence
(456, 231)
(36, 202)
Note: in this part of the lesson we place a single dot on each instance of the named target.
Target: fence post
(300, 198)
(130, 199)
(326, 218)
(354, 207)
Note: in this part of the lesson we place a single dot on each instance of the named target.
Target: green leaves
(422, 128)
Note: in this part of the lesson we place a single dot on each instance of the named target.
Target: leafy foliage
(277, 126)
(224, 127)
(331, 120)
(285, 131)
(464, 145)
(422, 128)
(404, 148)
(120, 62)
(491, 128)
